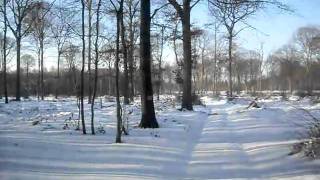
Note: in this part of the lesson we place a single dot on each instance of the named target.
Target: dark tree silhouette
(89, 6)
(125, 61)
(184, 11)
(4, 65)
(119, 11)
(148, 119)
(82, 68)
(96, 60)
(20, 10)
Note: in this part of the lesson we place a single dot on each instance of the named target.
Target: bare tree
(19, 10)
(148, 119)
(232, 12)
(305, 37)
(4, 49)
(201, 40)
(61, 27)
(28, 61)
(176, 35)
(108, 57)
(184, 11)
(125, 60)
(229, 13)
(287, 57)
(39, 23)
(118, 8)
(160, 61)
(96, 61)
(132, 8)
(82, 66)
(215, 79)
(70, 52)
(158, 47)
(89, 6)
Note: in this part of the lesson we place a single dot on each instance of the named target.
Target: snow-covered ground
(223, 140)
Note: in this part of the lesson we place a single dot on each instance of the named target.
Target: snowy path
(234, 143)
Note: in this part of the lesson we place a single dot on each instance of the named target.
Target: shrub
(301, 94)
(310, 147)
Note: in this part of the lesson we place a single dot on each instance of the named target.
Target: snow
(223, 140)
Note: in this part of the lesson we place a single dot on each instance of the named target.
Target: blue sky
(278, 26)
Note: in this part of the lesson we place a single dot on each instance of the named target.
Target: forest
(159, 89)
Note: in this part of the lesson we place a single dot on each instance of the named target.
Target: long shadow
(248, 145)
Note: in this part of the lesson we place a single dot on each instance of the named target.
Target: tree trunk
(89, 51)
(290, 85)
(82, 71)
(41, 60)
(58, 74)
(27, 76)
(230, 65)
(239, 83)
(118, 137)
(125, 62)
(215, 60)
(131, 74)
(95, 69)
(202, 72)
(109, 86)
(18, 92)
(160, 64)
(39, 74)
(187, 67)
(130, 55)
(119, 120)
(5, 52)
(175, 44)
(148, 119)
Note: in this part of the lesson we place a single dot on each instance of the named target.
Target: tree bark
(89, 50)
(119, 119)
(18, 82)
(131, 52)
(95, 69)
(41, 60)
(184, 14)
(58, 74)
(125, 62)
(131, 74)
(230, 65)
(39, 74)
(82, 70)
(5, 52)
(187, 67)
(118, 136)
(148, 119)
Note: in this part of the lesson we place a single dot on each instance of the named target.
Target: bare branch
(195, 3)
(156, 10)
(177, 6)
